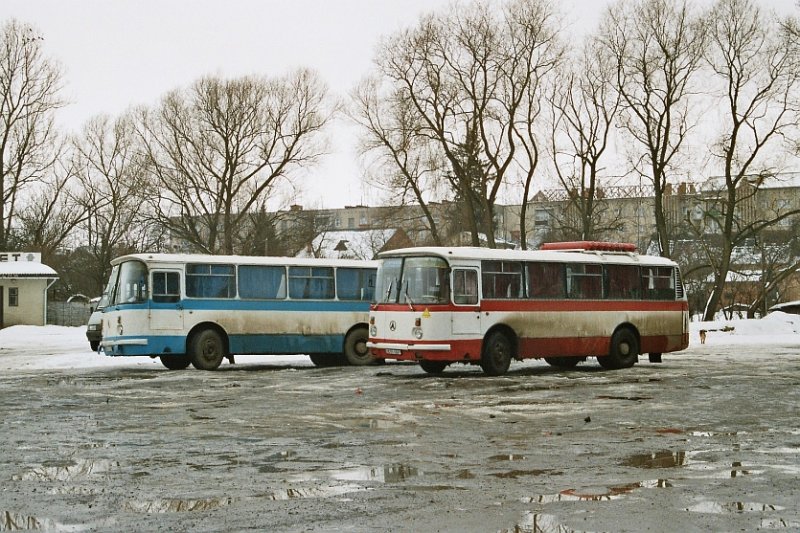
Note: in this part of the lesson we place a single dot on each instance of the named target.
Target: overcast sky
(119, 53)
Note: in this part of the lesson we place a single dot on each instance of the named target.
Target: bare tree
(469, 81)
(756, 61)
(29, 86)
(53, 211)
(404, 162)
(583, 107)
(657, 47)
(220, 148)
(113, 174)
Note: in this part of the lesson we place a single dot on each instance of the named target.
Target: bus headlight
(373, 331)
(417, 332)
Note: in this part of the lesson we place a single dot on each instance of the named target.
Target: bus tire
(175, 362)
(496, 356)
(624, 350)
(433, 367)
(563, 362)
(206, 349)
(355, 347)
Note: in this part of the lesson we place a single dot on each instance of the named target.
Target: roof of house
(353, 244)
(26, 269)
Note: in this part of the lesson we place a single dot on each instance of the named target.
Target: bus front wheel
(175, 362)
(624, 351)
(496, 357)
(355, 348)
(206, 349)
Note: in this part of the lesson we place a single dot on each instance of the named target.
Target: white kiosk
(24, 281)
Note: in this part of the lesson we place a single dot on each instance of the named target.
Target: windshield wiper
(388, 291)
(408, 299)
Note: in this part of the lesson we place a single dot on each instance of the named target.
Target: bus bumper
(394, 347)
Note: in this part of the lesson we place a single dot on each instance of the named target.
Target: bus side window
(584, 281)
(501, 279)
(311, 283)
(166, 287)
(355, 283)
(623, 282)
(545, 280)
(210, 281)
(262, 282)
(465, 287)
(658, 283)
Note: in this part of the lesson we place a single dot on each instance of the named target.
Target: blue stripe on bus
(250, 305)
(239, 344)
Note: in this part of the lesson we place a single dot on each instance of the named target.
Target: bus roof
(481, 254)
(160, 258)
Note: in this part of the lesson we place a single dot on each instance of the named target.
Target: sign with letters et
(23, 257)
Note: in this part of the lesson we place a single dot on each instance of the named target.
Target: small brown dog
(702, 336)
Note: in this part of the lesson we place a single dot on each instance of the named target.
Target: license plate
(392, 351)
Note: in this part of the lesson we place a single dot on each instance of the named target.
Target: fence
(74, 313)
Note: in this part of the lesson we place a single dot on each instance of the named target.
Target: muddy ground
(708, 440)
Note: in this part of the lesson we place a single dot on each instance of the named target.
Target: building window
(13, 297)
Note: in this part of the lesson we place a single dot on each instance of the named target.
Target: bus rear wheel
(496, 356)
(433, 367)
(206, 349)
(355, 348)
(624, 351)
(563, 362)
(175, 362)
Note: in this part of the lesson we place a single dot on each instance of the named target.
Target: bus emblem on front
(392, 326)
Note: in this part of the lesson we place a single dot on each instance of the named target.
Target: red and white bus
(563, 303)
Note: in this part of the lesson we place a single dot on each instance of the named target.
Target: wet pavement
(708, 440)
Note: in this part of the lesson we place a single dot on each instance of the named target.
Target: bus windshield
(132, 284)
(422, 280)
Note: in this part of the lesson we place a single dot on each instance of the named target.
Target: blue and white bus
(201, 309)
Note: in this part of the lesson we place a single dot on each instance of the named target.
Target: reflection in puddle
(513, 474)
(386, 474)
(539, 523)
(663, 459)
(313, 492)
(507, 457)
(19, 522)
(733, 507)
(67, 470)
(393, 473)
(177, 505)
(715, 433)
(599, 493)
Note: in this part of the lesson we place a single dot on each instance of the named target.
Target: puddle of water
(628, 398)
(539, 523)
(514, 474)
(393, 473)
(19, 522)
(377, 423)
(716, 433)
(177, 505)
(597, 493)
(507, 457)
(662, 459)
(312, 492)
(733, 507)
(67, 470)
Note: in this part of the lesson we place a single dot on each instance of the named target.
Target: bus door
(166, 309)
(467, 314)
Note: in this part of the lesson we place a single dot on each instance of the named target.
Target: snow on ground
(43, 347)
